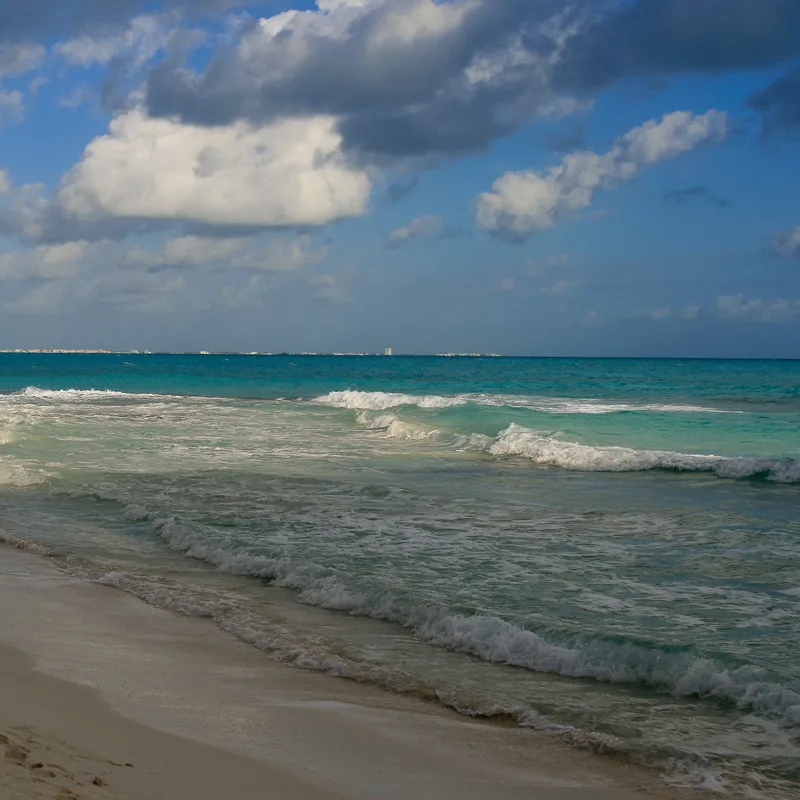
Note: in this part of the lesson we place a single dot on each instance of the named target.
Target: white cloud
(47, 262)
(787, 245)
(251, 295)
(755, 309)
(523, 202)
(22, 208)
(280, 254)
(19, 59)
(428, 227)
(44, 299)
(144, 37)
(289, 173)
(194, 250)
(140, 292)
(185, 251)
(560, 287)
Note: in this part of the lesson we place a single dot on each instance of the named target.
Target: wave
(77, 395)
(383, 401)
(545, 449)
(13, 474)
(394, 428)
(498, 642)
(678, 671)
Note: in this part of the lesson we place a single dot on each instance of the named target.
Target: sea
(603, 551)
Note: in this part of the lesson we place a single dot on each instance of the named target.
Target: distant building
(387, 351)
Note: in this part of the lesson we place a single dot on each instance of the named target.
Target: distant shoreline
(382, 356)
(240, 353)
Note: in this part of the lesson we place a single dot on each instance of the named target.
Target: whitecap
(548, 450)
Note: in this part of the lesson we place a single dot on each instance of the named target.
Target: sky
(525, 177)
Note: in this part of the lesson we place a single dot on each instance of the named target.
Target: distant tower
(387, 351)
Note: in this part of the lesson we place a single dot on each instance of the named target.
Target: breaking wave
(680, 671)
(545, 449)
(77, 395)
(383, 401)
(395, 428)
(13, 474)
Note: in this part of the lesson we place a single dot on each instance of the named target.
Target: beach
(103, 696)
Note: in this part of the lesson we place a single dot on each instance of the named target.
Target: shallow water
(606, 550)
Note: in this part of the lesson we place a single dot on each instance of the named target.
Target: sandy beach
(103, 696)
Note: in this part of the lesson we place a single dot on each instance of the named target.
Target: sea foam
(394, 428)
(548, 450)
(681, 672)
(77, 395)
(14, 474)
(383, 401)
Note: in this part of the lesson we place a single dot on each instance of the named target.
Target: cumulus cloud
(250, 295)
(658, 37)
(143, 37)
(402, 78)
(755, 309)
(184, 251)
(521, 203)
(46, 262)
(281, 254)
(37, 19)
(652, 38)
(22, 208)
(288, 173)
(427, 227)
(20, 58)
(140, 292)
(787, 244)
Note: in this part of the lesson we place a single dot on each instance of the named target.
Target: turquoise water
(603, 550)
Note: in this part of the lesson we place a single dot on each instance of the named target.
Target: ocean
(605, 551)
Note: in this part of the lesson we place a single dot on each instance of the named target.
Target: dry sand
(102, 696)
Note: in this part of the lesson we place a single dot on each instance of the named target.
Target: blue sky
(614, 179)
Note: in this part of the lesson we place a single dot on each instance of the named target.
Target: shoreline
(103, 680)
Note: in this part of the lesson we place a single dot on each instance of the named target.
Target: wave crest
(394, 428)
(547, 450)
(13, 474)
(383, 401)
(75, 395)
